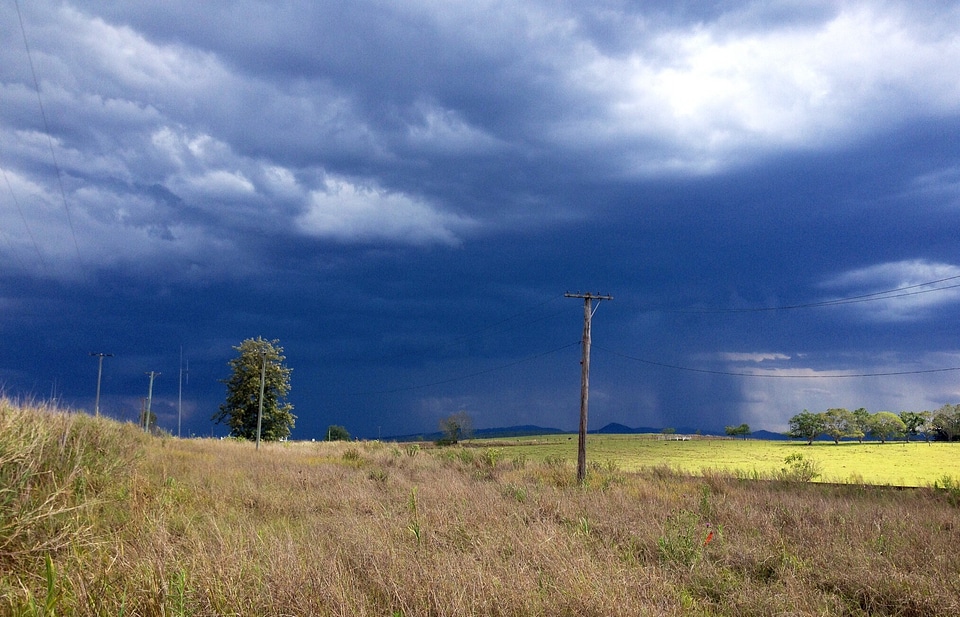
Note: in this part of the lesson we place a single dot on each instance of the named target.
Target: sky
(401, 193)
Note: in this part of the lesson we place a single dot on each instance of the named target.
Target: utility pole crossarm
(588, 296)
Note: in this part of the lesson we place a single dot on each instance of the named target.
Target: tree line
(838, 423)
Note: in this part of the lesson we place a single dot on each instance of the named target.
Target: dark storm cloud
(400, 194)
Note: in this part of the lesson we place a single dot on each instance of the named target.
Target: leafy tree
(861, 423)
(914, 422)
(734, 431)
(806, 425)
(336, 432)
(239, 412)
(926, 429)
(886, 425)
(838, 423)
(946, 422)
(455, 427)
(151, 426)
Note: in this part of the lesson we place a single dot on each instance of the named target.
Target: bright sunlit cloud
(348, 212)
(912, 299)
(752, 357)
(707, 96)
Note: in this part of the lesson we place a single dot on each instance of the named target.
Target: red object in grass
(708, 539)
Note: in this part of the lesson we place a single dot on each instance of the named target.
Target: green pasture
(893, 463)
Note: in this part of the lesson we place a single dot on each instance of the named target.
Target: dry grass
(52, 476)
(215, 528)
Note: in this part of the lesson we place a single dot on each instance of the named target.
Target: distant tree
(861, 423)
(926, 429)
(148, 424)
(241, 408)
(734, 431)
(838, 423)
(336, 432)
(946, 422)
(668, 431)
(886, 425)
(914, 422)
(806, 425)
(455, 427)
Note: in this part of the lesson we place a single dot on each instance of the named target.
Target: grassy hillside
(129, 525)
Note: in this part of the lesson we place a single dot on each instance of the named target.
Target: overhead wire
(46, 128)
(33, 240)
(887, 294)
(881, 295)
(898, 292)
(771, 375)
(6, 236)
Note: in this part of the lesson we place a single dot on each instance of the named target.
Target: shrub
(491, 456)
(519, 462)
(797, 468)
(950, 486)
(682, 540)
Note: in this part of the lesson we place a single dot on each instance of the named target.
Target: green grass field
(893, 463)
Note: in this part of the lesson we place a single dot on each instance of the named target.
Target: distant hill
(619, 429)
(614, 428)
(770, 435)
(485, 433)
(516, 431)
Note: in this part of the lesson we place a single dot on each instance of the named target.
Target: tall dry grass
(204, 527)
(54, 468)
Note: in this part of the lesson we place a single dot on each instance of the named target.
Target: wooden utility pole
(180, 392)
(101, 356)
(146, 418)
(263, 382)
(585, 378)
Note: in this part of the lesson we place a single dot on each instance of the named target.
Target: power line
(46, 128)
(888, 294)
(33, 240)
(774, 376)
